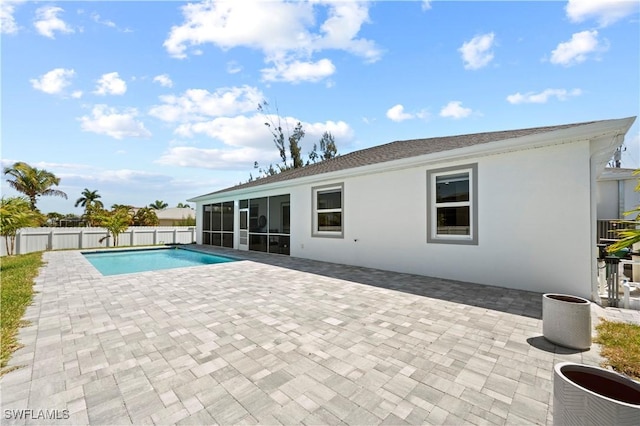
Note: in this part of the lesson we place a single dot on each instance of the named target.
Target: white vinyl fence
(39, 239)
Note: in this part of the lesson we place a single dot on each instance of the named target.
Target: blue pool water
(130, 261)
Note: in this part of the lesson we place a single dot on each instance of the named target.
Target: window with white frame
(452, 215)
(328, 211)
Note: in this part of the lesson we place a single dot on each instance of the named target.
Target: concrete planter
(585, 395)
(566, 320)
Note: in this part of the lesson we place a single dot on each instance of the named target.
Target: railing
(607, 227)
(29, 240)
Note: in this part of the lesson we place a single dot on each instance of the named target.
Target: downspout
(621, 208)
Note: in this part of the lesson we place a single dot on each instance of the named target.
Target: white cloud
(163, 80)
(96, 18)
(213, 158)
(238, 131)
(242, 131)
(245, 140)
(233, 67)
(54, 81)
(109, 121)
(108, 23)
(454, 109)
(284, 31)
(111, 84)
(340, 130)
(542, 97)
(476, 53)
(426, 4)
(200, 104)
(8, 23)
(77, 94)
(296, 71)
(341, 28)
(577, 49)
(606, 12)
(397, 114)
(47, 21)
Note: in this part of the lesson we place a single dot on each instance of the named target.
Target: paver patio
(278, 340)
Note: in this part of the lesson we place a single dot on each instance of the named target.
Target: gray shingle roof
(395, 151)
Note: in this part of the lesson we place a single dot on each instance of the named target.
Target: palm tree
(630, 234)
(16, 213)
(33, 182)
(158, 205)
(121, 206)
(116, 221)
(89, 198)
(145, 216)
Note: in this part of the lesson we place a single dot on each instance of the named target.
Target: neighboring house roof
(175, 213)
(396, 151)
(618, 173)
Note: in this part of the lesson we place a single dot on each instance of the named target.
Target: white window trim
(314, 211)
(432, 225)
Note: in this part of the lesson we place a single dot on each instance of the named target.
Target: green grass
(620, 344)
(16, 292)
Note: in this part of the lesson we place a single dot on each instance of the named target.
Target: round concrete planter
(585, 395)
(566, 320)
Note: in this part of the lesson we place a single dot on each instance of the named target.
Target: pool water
(131, 261)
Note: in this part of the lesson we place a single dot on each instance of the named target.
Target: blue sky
(158, 100)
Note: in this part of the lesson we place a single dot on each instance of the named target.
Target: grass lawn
(620, 346)
(16, 292)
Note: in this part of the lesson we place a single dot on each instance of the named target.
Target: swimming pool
(131, 261)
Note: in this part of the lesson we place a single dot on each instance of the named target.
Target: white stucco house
(616, 193)
(514, 208)
(174, 215)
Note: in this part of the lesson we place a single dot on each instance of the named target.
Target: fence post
(81, 238)
(18, 248)
(612, 263)
(175, 235)
(155, 236)
(50, 242)
(133, 236)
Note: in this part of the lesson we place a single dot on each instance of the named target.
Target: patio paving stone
(278, 340)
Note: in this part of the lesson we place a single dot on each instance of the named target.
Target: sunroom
(257, 224)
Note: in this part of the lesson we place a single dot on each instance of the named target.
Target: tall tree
(121, 206)
(145, 216)
(16, 213)
(183, 206)
(294, 159)
(89, 199)
(294, 146)
(33, 182)
(53, 218)
(158, 205)
(116, 222)
(328, 149)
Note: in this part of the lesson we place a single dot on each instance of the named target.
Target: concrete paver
(277, 340)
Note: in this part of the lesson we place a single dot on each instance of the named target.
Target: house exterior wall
(608, 197)
(631, 196)
(534, 221)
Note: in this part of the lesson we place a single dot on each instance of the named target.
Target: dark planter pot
(586, 395)
(566, 320)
